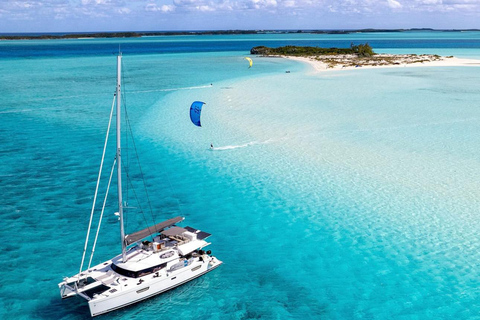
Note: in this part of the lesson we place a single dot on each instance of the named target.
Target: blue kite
(195, 111)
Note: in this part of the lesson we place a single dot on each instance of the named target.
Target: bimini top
(174, 231)
(159, 227)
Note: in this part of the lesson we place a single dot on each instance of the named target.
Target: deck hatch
(97, 290)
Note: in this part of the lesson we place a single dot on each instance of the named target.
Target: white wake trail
(248, 144)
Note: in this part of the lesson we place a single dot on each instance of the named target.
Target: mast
(119, 156)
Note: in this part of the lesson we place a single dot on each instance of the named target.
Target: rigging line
(140, 166)
(98, 183)
(101, 214)
(137, 199)
(128, 125)
(126, 164)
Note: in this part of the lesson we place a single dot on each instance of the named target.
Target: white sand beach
(335, 63)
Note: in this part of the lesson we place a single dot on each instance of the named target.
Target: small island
(356, 56)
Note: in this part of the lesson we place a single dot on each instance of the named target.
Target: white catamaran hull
(149, 288)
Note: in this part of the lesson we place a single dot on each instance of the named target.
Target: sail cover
(159, 227)
(195, 111)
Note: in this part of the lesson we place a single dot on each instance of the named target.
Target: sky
(25, 16)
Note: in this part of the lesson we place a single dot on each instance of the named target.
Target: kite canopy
(250, 62)
(195, 111)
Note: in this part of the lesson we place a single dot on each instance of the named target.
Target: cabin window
(196, 268)
(143, 290)
(137, 274)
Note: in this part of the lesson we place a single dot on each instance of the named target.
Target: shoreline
(322, 66)
(131, 34)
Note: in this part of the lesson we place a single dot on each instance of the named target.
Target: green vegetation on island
(355, 56)
(361, 50)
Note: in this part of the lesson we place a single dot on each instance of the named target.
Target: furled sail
(250, 62)
(195, 111)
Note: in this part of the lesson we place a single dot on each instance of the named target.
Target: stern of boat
(66, 290)
(213, 263)
(84, 287)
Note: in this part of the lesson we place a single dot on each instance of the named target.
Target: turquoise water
(342, 195)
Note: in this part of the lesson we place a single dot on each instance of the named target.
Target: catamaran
(153, 260)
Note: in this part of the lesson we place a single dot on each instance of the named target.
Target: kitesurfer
(211, 146)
